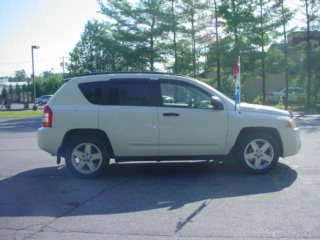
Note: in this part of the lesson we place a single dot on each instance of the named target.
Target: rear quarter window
(92, 92)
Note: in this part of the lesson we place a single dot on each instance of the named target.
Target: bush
(258, 100)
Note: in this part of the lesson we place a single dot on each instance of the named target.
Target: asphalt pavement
(191, 201)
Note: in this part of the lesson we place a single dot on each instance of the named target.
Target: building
(4, 83)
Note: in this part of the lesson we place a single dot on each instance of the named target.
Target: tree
(311, 14)
(239, 19)
(24, 93)
(315, 59)
(237, 39)
(174, 30)
(18, 91)
(47, 74)
(184, 56)
(175, 42)
(96, 51)
(10, 91)
(169, 39)
(198, 38)
(213, 29)
(126, 54)
(48, 85)
(4, 93)
(195, 13)
(20, 75)
(238, 15)
(138, 27)
(285, 15)
(216, 27)
(148, 20)
(267, 23)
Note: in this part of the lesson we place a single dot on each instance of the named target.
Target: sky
(54, 25)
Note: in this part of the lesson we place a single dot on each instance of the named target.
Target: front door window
(183, 95)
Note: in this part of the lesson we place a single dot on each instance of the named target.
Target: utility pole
(34, 83)
(217, 45)
(285, 49)
(62, 65)
(308, 52)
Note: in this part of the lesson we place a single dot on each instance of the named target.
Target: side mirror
(216, 103)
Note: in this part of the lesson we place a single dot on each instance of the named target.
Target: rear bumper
(49, 140)
(291, 141)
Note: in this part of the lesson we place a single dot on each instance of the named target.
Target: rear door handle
(170, 114)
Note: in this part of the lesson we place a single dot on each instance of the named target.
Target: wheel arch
(269, 130)
(74, 133)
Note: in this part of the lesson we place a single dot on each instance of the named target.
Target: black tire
(248, 138)
(76, 141)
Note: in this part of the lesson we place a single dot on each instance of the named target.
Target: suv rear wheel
(86, 157)
(258, 152)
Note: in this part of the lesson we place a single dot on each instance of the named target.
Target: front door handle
(170, 114)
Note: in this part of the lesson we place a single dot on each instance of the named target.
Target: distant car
(295, 95)
(43, 100)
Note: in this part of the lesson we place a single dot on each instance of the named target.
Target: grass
(20, 114)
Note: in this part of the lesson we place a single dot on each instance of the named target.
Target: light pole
(34, 83)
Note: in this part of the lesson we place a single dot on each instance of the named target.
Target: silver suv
(150, 116)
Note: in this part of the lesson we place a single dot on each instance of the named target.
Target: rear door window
(126, 92)
(131, 92)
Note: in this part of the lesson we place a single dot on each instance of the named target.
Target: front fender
(241, 120)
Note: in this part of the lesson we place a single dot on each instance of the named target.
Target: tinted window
(183, 95)
(92, 92)
(130, 93)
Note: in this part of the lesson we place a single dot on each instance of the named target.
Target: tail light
(47, 117)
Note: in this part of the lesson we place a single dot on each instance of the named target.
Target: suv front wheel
(258, 152)
(86, 157)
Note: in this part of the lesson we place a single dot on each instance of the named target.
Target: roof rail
(102, 73)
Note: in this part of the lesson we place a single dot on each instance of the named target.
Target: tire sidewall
(75, 142)
(245, 140)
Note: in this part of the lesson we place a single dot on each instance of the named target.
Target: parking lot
(156, 201)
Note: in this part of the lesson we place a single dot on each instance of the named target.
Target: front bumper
(291, 141)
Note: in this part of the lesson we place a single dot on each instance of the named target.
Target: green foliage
(274, 60)
(180, 37)
(4, 92)
(138, 28)
(48, 85)
(238, 16)
(44, 85)
(258, 100)
(10, 89)
(96, 51)
(19, 76)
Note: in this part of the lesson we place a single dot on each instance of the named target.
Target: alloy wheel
(86, 158)
(259, 154)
